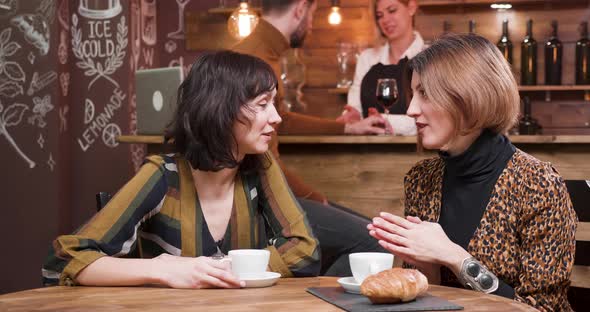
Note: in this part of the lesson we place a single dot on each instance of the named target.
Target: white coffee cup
(249, 261)
(402, 125)
(363, 264)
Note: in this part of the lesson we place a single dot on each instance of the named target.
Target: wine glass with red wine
(386, 93)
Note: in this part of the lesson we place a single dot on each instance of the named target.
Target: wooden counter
(365, 173)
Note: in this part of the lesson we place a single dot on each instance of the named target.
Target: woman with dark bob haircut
(482, 214)
(221, 190)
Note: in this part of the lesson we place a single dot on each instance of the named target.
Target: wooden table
(288, 295)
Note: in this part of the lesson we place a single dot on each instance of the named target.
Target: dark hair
(209, 103)
(278, 6)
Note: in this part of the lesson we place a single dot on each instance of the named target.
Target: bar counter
(365, 173)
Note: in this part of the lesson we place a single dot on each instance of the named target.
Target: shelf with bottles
(535, 88)
(549, 88)
(554, 88)
(442, 3)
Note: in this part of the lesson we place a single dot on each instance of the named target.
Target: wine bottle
(504, 44)
(472, 27)
(446, 27)
(583, 56)
(528, 125)
(553, 57)
(528, 57)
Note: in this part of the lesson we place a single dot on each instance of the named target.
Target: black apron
(400, 72)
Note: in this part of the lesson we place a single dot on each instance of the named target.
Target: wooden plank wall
(369, 178)
(567, 113)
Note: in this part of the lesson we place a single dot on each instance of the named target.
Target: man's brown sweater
(268, 43)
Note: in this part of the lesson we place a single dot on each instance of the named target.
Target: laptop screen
(156, 91)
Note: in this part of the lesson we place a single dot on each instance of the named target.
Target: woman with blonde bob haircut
(482, 214)
(471, 82)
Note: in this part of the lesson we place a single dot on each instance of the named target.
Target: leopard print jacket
(526, 235)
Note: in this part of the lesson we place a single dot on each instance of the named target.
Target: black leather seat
(579, 293)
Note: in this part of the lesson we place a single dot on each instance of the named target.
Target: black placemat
(353, 303)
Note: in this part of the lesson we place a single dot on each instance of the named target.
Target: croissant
(394, 285)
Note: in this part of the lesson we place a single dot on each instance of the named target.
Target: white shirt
(372, 56)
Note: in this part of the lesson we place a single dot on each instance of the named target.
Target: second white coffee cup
(249, 261)
(363, 264)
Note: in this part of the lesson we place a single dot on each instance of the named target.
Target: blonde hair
(467, 76)
(380, 39)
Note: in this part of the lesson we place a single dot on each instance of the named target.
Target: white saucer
(350, 285)
(255, 280)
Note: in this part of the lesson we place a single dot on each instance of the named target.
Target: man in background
(284, 25)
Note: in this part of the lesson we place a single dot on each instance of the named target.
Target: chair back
(579, 293)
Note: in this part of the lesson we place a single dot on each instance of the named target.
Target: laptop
(156, 91)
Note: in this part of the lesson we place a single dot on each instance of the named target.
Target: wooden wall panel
(369, 179)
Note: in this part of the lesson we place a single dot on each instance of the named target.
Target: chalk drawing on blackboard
(11, 73)
(88, 111)
(170, 46)
(50, 162)
(63, 118)
(87, 62)
(179, 33)
(135, 34)
(96, 10)
(35, 29)
(137, 150)
(64, 82)
(180, 62)
(47, 10)
(41, 107)
(35, 26)
(41, 140)
(7, 7)
(9, 88)
(39, 82)
(62, 49)
(148, 22)
(110, 134)
(12, 70)
(63, 14)
(148, 56)
(31, 57)
(137, 155)
(10, 117)
(94, 131)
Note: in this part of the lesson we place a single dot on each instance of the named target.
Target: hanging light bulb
(335, 18)
(242, 21)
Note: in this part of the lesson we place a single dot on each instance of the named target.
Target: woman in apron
(397, 42)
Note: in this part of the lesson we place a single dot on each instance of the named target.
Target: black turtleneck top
(468, 182)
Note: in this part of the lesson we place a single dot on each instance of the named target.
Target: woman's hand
(388, 127)
(350, 114)
(417, 242)
(201, 272)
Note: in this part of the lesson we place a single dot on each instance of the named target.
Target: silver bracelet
(476, 276)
